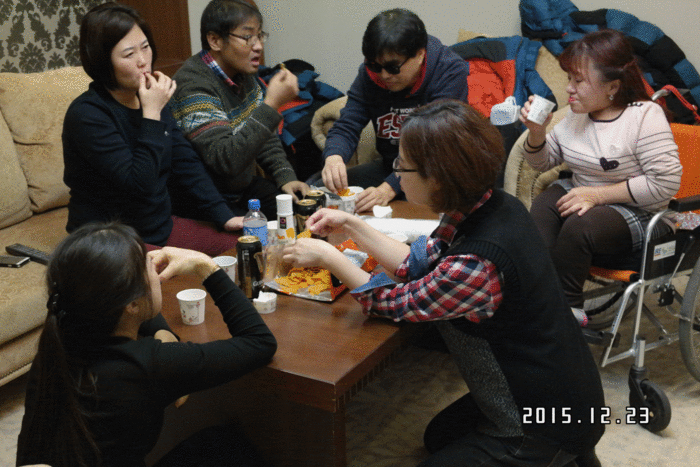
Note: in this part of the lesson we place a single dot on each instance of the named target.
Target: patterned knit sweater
(229, 126)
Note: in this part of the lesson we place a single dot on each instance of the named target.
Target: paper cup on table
(350, 199)
(265, 303)
(228, 264)
(192, 305)
(539, 109)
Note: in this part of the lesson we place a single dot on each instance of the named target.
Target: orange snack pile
(316, 279)
(345, 192)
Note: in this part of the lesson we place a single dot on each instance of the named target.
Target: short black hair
(222, 16)
(100, 31)
(399, 30)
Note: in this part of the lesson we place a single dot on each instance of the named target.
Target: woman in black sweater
(125, 158)
(108, 364)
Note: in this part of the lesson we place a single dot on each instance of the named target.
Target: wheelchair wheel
(689, 325)
(602, 307)
(654, 412)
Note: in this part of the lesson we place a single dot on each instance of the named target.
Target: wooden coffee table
(294, 408)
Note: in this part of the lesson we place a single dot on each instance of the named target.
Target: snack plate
(349, 249)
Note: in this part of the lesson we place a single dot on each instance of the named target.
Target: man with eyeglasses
(404, 68)
(221, 108)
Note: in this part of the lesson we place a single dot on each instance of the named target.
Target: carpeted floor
(387, 418)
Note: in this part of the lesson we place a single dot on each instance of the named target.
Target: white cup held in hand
(192, 305)
(228, 264)
(539, 109)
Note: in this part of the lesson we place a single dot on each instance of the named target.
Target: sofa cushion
(23, 296)
(14, 198)
(34, 106)
(323, 120)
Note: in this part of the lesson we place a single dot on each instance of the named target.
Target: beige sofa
(33, 200)
(521, 180)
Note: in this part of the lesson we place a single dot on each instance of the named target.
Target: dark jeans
(574, 240)
(453, 441)
(218, 446)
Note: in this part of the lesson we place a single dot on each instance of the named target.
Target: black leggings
(217, 446)
(452, 440)
(574, 240)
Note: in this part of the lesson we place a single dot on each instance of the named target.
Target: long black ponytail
(92, 276)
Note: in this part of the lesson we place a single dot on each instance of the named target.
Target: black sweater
(530, 358)
(121, 166)
(137, 380)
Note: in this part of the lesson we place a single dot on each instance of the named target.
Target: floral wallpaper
(39, 35)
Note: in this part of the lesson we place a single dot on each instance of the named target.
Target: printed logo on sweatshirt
(389, 124)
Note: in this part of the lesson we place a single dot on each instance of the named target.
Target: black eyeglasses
(393, 68)
(397, 168)
(251, 39)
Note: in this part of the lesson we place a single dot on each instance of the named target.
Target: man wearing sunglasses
(221, 108)
(404, 68)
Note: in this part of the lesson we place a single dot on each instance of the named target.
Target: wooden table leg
(287, 434)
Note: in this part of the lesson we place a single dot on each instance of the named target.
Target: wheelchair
(616, 287)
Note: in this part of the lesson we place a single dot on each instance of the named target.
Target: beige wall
(329, 34)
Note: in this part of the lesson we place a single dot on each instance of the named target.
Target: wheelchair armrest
(689, 203)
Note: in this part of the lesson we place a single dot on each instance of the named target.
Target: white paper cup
(265, 303)
(349, 201)
(192, 305)
(539, 109)
(228, 264)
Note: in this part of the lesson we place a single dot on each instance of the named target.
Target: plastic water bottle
(255, 222)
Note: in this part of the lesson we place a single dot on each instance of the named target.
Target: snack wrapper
(313, 283)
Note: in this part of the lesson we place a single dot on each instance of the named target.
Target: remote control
(23, 250)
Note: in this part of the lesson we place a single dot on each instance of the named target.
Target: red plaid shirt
(466, 286)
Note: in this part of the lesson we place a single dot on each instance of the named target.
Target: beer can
(318, 196)
(305, 208)
(251, 265)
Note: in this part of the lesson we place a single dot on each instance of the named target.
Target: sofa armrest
(322, 122)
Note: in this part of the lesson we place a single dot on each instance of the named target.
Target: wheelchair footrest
(603, 338)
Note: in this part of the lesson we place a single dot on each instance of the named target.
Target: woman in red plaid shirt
(485, 279)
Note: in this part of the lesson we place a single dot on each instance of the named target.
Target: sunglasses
(393, 68)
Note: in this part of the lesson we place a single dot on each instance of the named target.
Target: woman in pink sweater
(620, 149)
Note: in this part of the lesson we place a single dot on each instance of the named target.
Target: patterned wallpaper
(39, 35)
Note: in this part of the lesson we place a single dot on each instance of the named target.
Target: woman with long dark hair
(108, 364)
(125, 157)
(620, 149)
